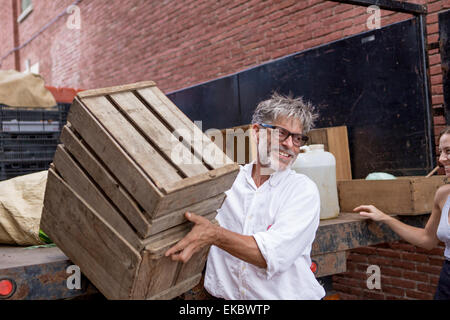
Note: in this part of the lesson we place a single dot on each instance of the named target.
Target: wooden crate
(129, 132)
(120, 265)
(116, 197)
(404, 195)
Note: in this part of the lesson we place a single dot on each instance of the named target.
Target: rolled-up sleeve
(292, 232)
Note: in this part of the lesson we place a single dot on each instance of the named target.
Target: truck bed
(40, 273)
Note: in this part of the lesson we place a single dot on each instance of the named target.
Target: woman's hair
(446, 130)
(278, 105)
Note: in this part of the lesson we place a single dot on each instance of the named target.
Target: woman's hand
(371, 212)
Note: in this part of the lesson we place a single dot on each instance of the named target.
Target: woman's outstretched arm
(422, 237)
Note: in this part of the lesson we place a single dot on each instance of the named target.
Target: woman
(437, 227)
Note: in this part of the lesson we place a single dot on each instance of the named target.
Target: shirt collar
(274, 180)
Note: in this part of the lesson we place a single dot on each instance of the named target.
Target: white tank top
(443, 232)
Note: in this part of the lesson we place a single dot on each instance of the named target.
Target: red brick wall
(6, 33)
(407, 272)
(185, 42)
(178, 43)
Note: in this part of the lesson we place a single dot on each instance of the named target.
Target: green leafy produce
(44, 238)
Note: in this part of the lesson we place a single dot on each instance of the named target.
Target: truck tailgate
(39, 273)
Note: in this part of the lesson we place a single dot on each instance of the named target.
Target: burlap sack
(21, 202)
(24, 90)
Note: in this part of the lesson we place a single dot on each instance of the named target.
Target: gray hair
(278, 105)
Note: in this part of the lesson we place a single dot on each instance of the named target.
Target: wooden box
(404, 195)
(116, 193)
(124, 138)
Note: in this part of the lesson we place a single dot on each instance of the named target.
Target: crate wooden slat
(160, 172)
(74, 176)
(117, 269)
(335, 141)
(99, 129)
(404, 195)
(116, 192)
(194, 189)
(114, 158)
(153, 129)
(176, 217)
(115, 89)
(144, 224)
(166, 109)
(102, 253)
(116, 198)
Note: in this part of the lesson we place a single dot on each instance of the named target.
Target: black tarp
(372, 82)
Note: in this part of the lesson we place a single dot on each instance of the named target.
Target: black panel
(215, 103)
(397, 6)
(444, 44)
(372, 83)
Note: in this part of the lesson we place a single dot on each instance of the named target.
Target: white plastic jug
(320, 166)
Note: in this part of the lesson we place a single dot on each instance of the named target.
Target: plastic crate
(28, 138)
(26, 120)
(9, 170)
(30, 126)
(34, 146)
(22, 142)
(8, 139)
(28, 145)
(27, 156)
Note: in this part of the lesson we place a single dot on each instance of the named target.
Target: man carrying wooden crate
(261, 250)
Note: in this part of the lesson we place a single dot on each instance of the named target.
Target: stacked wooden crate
(117, 191)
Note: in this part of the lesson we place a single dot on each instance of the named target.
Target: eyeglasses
(298, 139)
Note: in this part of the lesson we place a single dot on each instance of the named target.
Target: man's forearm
(238, 245)
(205, 233)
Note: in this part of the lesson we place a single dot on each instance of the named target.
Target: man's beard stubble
(270, 159)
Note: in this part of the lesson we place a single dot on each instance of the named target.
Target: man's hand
(202, 234)
(205, 233)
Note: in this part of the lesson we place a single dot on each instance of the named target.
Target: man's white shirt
(282, 215)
